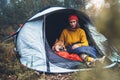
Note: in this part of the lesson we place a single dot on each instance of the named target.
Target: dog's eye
(60, 49)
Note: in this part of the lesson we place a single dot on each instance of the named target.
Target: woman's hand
(75, 46)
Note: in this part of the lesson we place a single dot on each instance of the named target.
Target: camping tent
(36, 37)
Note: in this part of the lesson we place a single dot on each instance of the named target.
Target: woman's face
(73, 23)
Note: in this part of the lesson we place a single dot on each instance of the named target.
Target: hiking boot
(100, 59)
(96, 62)
(88, 60)
(90, 64)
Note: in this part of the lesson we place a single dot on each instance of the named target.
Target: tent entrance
(55, 23)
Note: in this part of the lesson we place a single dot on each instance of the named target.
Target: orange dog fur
(59, 46)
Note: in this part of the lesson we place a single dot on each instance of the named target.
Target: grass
(11, 69)
(98, 74)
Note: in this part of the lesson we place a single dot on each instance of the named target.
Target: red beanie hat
(73, 17)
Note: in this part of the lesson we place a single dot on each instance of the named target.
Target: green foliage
(108, 22)
(77, 4)
(10, 67)
(98, 74)
(18, 11)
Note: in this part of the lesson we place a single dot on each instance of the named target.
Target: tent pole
(44, 39)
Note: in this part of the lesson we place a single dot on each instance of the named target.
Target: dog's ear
(53, 47)
(63, 42)
(56, 41)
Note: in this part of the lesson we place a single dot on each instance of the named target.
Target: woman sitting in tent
(75, 41)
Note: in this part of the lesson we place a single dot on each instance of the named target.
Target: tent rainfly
(35, 39)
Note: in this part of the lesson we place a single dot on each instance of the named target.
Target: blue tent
(35, 39)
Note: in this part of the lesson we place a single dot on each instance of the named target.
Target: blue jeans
(91, 51)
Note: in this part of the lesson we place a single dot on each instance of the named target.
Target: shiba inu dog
(59, 46)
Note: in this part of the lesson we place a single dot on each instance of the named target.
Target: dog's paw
(101, 60)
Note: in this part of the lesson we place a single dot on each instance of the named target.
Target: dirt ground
(11, 69)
